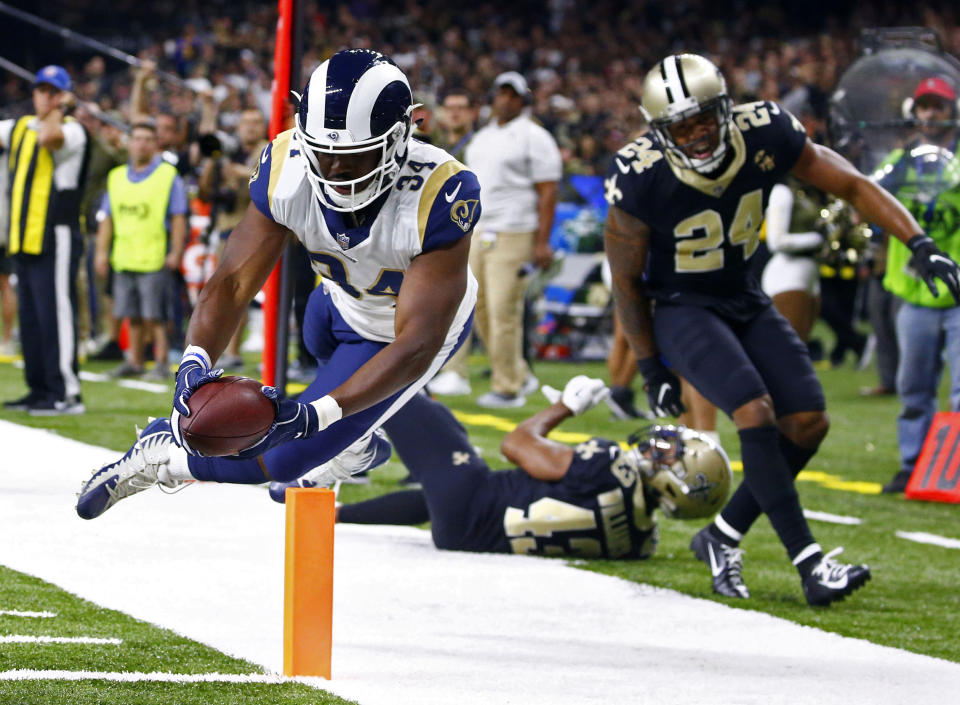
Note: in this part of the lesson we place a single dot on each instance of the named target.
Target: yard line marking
(155, 676)
(26, 639)
(128, 383)
(19, 613)
(831, 518)
(933, 539)
(144, 386)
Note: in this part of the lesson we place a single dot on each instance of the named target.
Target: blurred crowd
(584, 66)
(584, 62)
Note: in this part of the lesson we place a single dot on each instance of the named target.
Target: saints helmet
(685, 473)
(680, 87)
(356, 102)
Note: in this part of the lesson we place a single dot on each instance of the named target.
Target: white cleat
(141, 467)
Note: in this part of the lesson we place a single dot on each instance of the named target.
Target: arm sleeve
(789, 134)
(178, 198)
(74, 140)
(260, 182)
(6, 128)
(454, 211)
(589, 470)
(779, 237)
(545, 161)
(105, 204)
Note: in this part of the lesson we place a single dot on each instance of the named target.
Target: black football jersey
(590, 512)
(704, 231)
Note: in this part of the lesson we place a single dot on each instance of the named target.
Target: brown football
(227, 416)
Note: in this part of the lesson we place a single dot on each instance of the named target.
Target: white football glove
(581, 394)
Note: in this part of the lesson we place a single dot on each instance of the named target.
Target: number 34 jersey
(434, 201)
(705, 230)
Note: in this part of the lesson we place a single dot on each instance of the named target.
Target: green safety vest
(940, 219)
(139, 214)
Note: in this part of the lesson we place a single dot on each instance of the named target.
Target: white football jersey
(434, 201)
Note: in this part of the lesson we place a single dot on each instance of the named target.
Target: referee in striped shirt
(47, 161)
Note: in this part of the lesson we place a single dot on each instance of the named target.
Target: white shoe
(364, 454)
(448, 384)
(498, 400)
(530, 385)
(143, 466)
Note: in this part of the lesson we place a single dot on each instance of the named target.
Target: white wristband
(328, 410)
(197, 351)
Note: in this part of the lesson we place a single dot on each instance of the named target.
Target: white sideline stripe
(128, 383)
(831, 518)
(933, 539)
(447, 627)
(145, 386)
(154, 677)
(19, 613)
(27, 639)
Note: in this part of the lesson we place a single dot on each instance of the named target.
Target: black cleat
(899, 482)
(831, 581)
(725, 561)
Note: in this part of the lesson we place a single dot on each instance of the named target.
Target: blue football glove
(294, 421)
(194, 371)
(931, 264)
(662, 387)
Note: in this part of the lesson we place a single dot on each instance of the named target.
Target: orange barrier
(308, 584)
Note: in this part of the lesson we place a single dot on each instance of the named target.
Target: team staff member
(141, 235)
(48, 155)
(687, 201)
(518, 164)
(928, 320)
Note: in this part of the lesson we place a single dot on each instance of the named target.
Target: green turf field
(912, 601)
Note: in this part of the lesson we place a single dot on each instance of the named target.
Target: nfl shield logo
(343, 240)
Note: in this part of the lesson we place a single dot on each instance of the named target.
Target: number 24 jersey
(705, 230)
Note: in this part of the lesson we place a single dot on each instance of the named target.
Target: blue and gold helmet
(357, 103)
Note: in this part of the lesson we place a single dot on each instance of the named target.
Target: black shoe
(71, 406)
(831, 581)
(898, 483)
(110, 351)
(725, 561)
(23, 403)
(620, 402)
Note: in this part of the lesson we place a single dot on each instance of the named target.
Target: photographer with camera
(228, 162)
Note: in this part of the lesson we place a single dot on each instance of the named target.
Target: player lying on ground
(375, 209)
(686, 205)
(594, 499)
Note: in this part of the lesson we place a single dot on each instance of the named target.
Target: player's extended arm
(830, 172)
(528, 447)
(432, 290)
(251, 252)
(627, 241)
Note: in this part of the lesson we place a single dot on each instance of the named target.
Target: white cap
(514, 80)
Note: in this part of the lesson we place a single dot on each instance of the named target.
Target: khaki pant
(495, 260)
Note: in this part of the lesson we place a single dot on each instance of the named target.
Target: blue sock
(242, 472)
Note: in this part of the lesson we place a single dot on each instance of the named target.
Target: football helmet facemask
(685, 87)
(354, 113)
(685, 473)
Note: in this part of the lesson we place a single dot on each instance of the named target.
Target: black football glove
(930, 263)
(662, 387)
